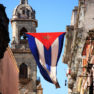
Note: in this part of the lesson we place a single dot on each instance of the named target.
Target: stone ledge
(20, 51)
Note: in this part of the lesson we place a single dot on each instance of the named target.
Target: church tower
(23, 20)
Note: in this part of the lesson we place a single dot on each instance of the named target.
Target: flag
(46, 49)
(8, 74)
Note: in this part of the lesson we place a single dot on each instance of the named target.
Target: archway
(22, 34)
(23, 71)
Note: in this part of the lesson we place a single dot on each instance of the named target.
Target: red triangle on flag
(46, 38)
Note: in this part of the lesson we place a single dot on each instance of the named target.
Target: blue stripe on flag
(47, 54)
(61, 39)
(33, 46)
(34, 51)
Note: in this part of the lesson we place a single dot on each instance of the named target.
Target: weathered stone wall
(68, 44)
(75, 41)
(28, 59)
(89, 16)
(74, 58)
(74, 16)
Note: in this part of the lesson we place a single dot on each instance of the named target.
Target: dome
(24, 11)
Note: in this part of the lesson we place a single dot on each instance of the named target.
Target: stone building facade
(78, 53)
(23, 20)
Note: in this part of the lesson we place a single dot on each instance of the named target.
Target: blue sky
(52, 16)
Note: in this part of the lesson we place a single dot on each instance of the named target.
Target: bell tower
(23, 20)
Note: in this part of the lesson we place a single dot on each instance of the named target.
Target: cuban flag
(46, 49)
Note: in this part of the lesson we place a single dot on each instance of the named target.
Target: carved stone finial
(24, 1)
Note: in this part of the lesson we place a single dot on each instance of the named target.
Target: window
(23, 71)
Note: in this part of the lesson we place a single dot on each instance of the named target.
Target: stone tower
(23, 20)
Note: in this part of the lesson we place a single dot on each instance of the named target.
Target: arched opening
(19, 15)
(23, 11)
(22, 35)
(27, 12)
(23, 71)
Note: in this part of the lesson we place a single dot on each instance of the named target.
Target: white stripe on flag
(41, 52)
(53, 73)
(54, 53)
